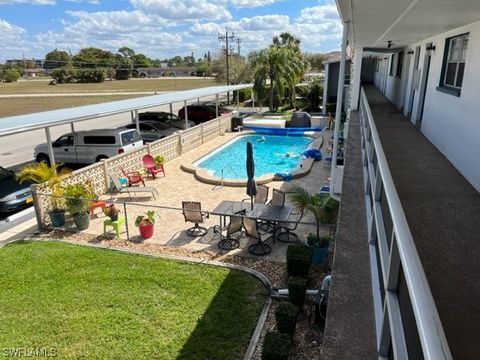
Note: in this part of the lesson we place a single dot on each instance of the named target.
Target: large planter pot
(57, 218)
(81, 220)
(319, 252)
(146, 230)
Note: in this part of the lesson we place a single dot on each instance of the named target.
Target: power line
(225, 39)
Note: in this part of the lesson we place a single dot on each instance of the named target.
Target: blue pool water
(269, 154)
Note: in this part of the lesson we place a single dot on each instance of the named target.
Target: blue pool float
(313, 153)
(284, 176)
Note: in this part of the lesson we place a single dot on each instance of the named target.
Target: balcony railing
(407, 322)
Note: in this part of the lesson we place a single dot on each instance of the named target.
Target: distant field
(170, 84)
(19, 106)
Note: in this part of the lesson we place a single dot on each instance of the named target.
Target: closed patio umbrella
(251, 187)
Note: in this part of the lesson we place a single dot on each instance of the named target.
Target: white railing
(405, 312)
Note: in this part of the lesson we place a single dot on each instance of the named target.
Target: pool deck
(179, 185)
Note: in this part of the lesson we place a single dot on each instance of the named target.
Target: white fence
(407, 321)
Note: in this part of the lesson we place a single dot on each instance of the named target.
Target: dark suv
(169, 119)
(200, 113)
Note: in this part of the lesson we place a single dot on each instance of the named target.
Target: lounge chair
(229, 241)
(192, 211)
(129, 190)
(251, 230)
(133, 177)
(152, 168)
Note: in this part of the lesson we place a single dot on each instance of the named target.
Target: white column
(338, 111)
(238, 100)
(72, 127)
(49, 146)
(136, 121)
(186, 113)
(355, 81)
(253, 99)
(170, 108)
(216, 105)
(325, 89)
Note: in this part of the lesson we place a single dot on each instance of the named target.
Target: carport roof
(22, 123)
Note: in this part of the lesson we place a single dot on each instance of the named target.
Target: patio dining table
(271, 213)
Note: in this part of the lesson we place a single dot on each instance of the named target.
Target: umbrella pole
(251, 203)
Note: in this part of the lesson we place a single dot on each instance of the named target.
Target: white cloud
(318, 14)
(31, 2)
(12, 38)
(251, 3)
(184, 9)
(93, 2)
(263, 22)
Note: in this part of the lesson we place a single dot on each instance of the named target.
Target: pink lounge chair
(152, 168)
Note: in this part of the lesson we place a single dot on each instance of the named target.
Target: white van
(88, 147)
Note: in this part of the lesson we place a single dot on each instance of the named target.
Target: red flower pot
(146, 230)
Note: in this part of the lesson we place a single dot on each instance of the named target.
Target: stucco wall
(451, 123)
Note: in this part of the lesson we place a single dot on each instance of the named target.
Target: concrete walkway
(443, 212)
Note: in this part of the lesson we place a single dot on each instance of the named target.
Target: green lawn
(97, 304)
(171, 84)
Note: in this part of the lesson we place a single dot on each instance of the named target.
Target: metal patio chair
(234, 228)
(192, 211)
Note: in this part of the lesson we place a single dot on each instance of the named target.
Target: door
(423, 88)
(414, 82)
(64, 150)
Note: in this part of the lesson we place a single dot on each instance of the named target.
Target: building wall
(451, 123)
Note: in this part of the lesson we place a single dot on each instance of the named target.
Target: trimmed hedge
(297, 288)
(276, 346)
(299, 259)
(286, 315)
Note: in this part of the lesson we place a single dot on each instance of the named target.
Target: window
(130, 137)
(399, 64)
(453, 66)
(103, 140)
(66, 140)
(392, 64)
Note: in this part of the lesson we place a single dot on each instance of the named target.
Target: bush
(276, 346)
(243, 94)
(286, 316)
(331, 107)
(91, 75)
(297, 287)
(64, 75)
(10, 75)
(122, 74)
(299, 259)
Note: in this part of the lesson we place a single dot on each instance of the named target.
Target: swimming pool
(272, 154)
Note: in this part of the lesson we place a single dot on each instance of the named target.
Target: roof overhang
(22, 123)
(404, 22)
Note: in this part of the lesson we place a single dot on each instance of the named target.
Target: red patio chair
(151, 167)
(133, 177)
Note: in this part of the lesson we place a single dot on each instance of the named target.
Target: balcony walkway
(443, 212)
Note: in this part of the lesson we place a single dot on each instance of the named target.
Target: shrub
(64, 75)
(91, 75)
(276, 346)
(299, 259)
(243, 94)
(297, 287)
(331, 107)
(10, 75)
(286, 316)
(122, 73)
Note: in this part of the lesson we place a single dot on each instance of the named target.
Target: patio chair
(230, 241)
(261, 197)
(129, 190)
(278, 199)
(133, 177)
(192, 211)
(286, 229)
(152, 168)
(251, 230)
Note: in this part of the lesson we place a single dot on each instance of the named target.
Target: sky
(162, 28)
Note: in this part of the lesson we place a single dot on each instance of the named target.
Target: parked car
(165, 117)
(88, 147)
(200, 113)
(13, 195)
(152, 130)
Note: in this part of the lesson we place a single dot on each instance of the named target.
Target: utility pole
(25, 67)
(226, 38)
(238, 46)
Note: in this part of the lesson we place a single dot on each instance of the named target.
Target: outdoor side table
(115, 224)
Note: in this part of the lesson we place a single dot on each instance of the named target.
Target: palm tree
(43, 173)
(323, 208)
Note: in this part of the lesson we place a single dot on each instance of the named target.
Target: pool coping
(302, 169)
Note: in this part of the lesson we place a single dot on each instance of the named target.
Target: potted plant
(323, 208)
(319, 246)
(51, 175)
(159, 159)
(78, 199)
(112, 212)
(145, 224)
